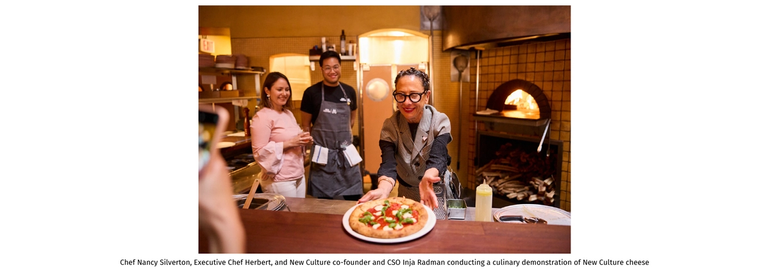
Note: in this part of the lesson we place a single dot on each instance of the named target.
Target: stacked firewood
(518, 175)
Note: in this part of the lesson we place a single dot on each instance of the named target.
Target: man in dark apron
(329, 107)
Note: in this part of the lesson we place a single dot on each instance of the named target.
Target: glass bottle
(247, 123)
(325, 48)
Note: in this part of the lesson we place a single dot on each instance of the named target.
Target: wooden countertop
(240, 142)
(278, 232)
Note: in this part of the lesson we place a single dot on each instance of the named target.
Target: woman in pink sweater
(278, 141)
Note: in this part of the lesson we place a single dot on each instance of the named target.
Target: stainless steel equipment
(448, 188)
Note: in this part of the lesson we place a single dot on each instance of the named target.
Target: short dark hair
(414, 71)
(268, 82)
(329, 54)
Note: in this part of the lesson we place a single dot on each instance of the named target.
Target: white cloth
(288, 188)
(352, 156)
(320, 155)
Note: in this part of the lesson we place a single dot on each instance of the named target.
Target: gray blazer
(412, 155)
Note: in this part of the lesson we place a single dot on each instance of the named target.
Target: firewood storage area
(517, 170)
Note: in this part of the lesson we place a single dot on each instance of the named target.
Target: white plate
(222, 145)
(551, 214)
(431, 220)
(239, 134)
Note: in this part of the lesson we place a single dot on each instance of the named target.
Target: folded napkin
(320, 156)
(352, 156)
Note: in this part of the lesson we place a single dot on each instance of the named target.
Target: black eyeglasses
(415, 97)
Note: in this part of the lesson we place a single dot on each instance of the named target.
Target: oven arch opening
(499, 96)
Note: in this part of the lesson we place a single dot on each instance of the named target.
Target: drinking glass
(305, 133)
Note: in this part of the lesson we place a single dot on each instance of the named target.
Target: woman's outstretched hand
(427, 193)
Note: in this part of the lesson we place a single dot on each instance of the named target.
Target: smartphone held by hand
(211, 126)
(206, 134)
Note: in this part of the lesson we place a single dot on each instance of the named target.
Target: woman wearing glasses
(413, 143)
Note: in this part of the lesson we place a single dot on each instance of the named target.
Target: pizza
(388, 218)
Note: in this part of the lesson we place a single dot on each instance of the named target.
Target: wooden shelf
(254, 73)
(237, 75)
(225, 100)
(227, 70)
(343, 58)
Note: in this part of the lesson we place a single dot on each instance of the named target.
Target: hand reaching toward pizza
(374, 195)
(386, 185)
(426, 192)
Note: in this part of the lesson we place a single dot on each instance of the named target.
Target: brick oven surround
(546, 64)
(504, 130)
(499, 96)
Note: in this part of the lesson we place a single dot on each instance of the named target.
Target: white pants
(290, 188)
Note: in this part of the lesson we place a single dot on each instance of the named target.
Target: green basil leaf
(366, 219)
(408, 220)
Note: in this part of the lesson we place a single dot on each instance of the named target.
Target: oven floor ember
(523, 114)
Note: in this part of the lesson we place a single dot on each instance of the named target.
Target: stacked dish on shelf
(225, 61)
(206, 60)
(241, 62)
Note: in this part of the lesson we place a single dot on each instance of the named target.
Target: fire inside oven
(520, 99)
